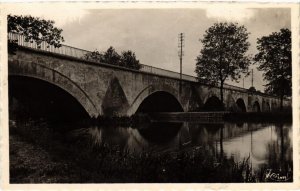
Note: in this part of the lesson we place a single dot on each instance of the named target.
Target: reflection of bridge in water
(56, 77)
(237, 140)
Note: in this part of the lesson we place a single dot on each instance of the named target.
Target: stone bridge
(103, 89)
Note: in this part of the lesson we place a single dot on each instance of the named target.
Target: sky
(153, 33)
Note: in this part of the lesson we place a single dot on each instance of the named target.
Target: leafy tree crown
(275, 60)
(35, 30)
(223, 53)
(110, 56)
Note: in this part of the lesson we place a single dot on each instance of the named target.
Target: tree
(275, 59)
(34, 29)
(223, 54)
(252, 89)
(95, 56)
(127, 59)
(111, 56)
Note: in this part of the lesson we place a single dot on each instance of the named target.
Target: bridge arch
(56, 78)
(160, 101)
(37, 98)
(274, 105)
(211, 93)
(266, 106)
(213, 103)
(157, 97)
(256, 107)
(230, 104)
(241, 105)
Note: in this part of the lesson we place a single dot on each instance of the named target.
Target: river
(265, 146)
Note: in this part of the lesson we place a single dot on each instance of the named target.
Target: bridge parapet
(80, 53)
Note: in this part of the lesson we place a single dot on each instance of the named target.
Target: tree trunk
(221, 145)
(281, 95)
(281, 102)
(221, 94)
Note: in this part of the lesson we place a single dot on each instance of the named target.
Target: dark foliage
(252, 89)
(127, 59)
(33, 29)
(275, 59)
(259, 117)
(111, 57)
(223, 54)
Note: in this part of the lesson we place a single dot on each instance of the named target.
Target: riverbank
(202, 117)
(221, 117)
(40, 154)
(258, 117)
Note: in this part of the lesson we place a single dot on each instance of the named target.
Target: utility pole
(180, 54)
(252, 78)
(243, 82)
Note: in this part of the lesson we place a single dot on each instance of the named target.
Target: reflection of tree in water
(217, 134)
(279, 154)
(279, 151)
(209, 137)
(240, 124)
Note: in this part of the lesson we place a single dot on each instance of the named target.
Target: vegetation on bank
(136, 121)
(253, 117)
(271, 117)
(40, 154)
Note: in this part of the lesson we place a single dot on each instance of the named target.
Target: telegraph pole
(252, 78)
(180, 54)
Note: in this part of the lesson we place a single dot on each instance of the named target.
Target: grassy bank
(39, 154)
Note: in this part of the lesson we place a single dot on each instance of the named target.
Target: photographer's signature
(276, 176)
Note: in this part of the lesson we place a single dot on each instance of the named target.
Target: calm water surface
(263, 144)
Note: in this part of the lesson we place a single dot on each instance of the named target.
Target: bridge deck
(80, 54)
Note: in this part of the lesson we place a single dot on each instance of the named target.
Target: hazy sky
(153, 33)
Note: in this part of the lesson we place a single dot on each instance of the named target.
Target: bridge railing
(232, 87)
(160, 71)
(80, 54)
(64, 49)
